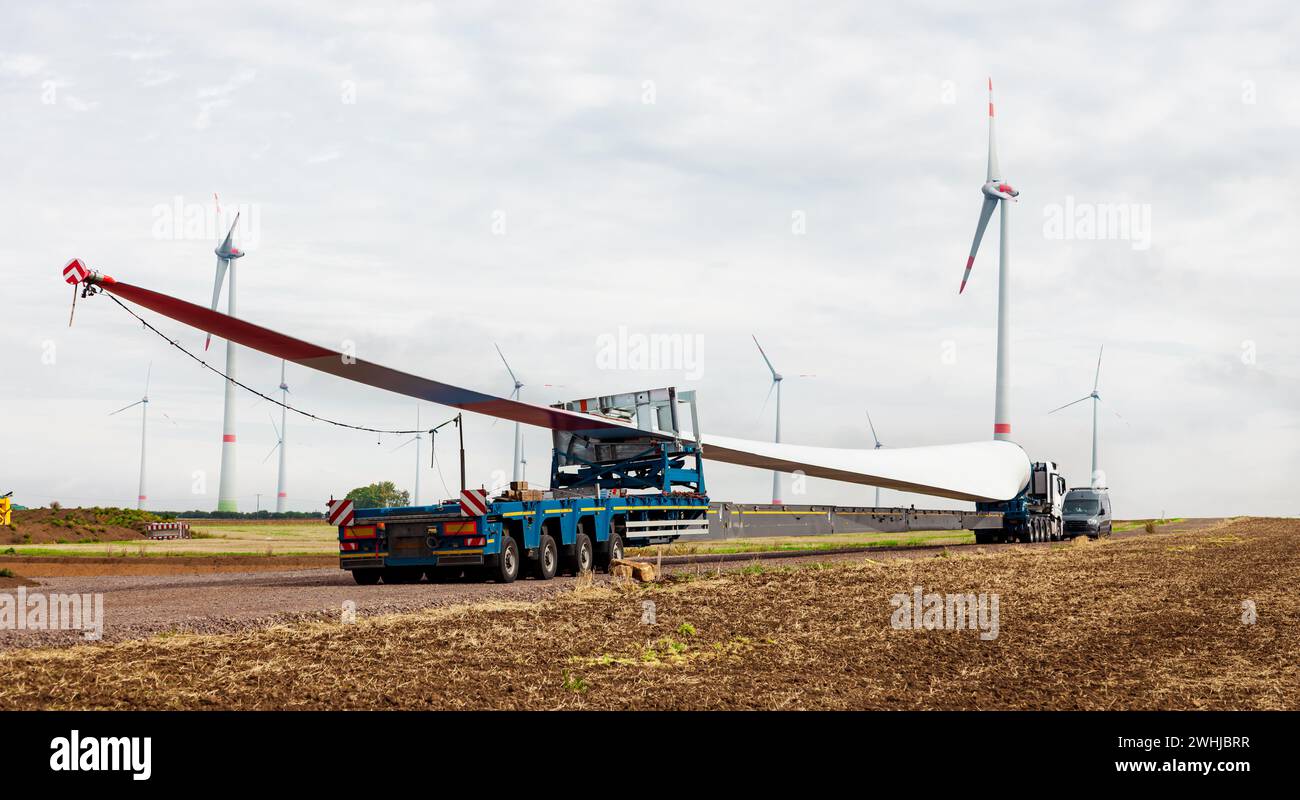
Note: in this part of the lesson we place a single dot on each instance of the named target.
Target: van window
(1082, 505)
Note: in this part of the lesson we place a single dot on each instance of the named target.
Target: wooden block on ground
(639, 570)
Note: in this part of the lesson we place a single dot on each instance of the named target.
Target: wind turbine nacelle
(233, 252)
(1001, 190)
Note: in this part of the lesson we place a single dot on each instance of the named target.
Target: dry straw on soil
(1148, 622)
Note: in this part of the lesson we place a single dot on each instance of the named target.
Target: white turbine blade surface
(273, 449)
(995, 170)
(767, 360)
(1097, 379)
(986, 211)
(993, 470)
(1067, 405)
(507, 363)
(216, 292)
(124, 408)
(873, 429)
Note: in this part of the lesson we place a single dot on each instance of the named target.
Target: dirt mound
(12, 581)
(47, 525)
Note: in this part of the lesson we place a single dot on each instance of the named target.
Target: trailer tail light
(475, 541)
(349, 547)
(359, 532)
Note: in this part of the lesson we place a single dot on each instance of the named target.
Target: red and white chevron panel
(473, 502)
(75, 271)
(341, 512)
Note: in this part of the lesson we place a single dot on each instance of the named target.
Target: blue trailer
(605, 495)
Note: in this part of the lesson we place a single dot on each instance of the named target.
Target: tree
(379, 495)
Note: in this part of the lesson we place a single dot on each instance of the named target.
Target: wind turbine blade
(147, 375)
(124, 408)
(222, 264)
(767, 360)
(273, 449)
(1097, 379)
(995, 170)
(873, 428)
(228, 243)
(1067, 405)
(507, 363)
(403, 444)
(274, 427)
(986, 211)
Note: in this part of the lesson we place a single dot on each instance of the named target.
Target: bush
(1150, 527)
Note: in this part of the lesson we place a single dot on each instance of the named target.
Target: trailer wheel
(612, 551)
(365, 577)
(582, 559)
(506, 566)
(548, 559)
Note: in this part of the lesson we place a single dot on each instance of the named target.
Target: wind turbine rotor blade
(403, 444)
(273, 449)
(222, 264)
(766, 360)
(274, 427)
(986, 211)
(507, 363)
(995, 170)
(1097, 378)
(1067, 405)
(124, 408)
(228, 244)
(147, 376)
(873, 429)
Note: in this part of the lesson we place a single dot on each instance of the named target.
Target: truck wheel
(612, 551)
(365, 577)
(506, 568)
(548, 558)
(582, 559)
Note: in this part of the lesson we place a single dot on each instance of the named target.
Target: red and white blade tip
(75, 271)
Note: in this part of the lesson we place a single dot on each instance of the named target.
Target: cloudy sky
(425, 180)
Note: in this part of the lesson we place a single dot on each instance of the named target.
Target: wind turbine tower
(227, 253)
(282, 485)
(1095, 397)
(997, 192)
(415, 495)
(143, 402)
(776, 385)
(516, 470)
(877, 447)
